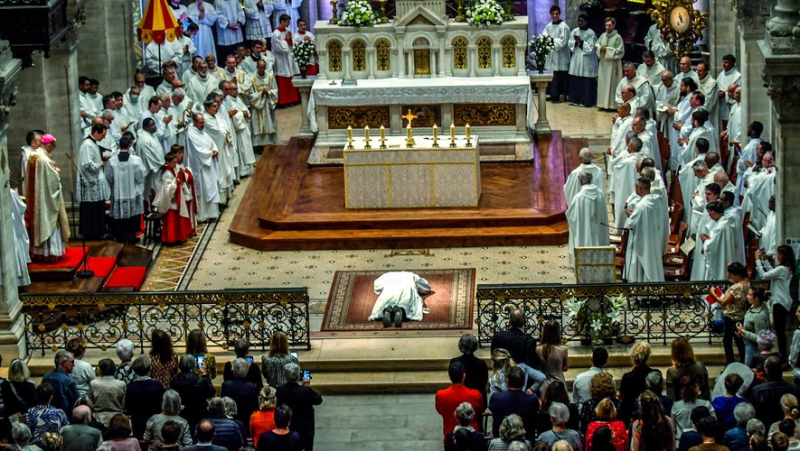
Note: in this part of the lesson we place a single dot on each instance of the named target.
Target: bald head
(82, 415)
(721, 179)
(649, 173)
(586, 155)
(667, 78)
(712, 159)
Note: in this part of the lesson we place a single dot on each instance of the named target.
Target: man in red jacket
(448, 399)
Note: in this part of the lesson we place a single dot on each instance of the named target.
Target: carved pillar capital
(9, 69)
(780, 27)
(783, 83)
(753, 16)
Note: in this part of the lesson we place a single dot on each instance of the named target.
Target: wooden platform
(291, 206)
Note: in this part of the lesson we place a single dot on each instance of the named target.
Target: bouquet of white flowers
(357, 13)
(596, 318)
(304, 52)
(483, 13)
(541, 46)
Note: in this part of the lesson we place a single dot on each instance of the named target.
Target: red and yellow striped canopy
(158, 23)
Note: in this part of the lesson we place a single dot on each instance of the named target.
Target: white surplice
(661, 49)
(199, 155)
(258, 24)
(262, 111)
(216, 127)
(769, 236)
(720, 248)
(285, 65)
(748, 154)
(400, 289)
(204, 38)
(584, 58)
(651, 73)
(587, 216)
(126, 179)
(22, 242)
(644, 93)
(724, 81)
(572, 185)
(709, 87)
(91, 184)
(645, 249)
(244, 142)
(152, 154)
(229, 12)
(761, 186)
(623, 183)
(200, 87)
(610, 68)
(558, 59)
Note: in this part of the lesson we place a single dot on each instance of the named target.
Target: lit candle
(383, 135)
(366, 134)
(349, 135)
(408, 134)
(435, 133)
(452, 132)
(466, 127)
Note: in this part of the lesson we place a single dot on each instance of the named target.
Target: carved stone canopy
(782, 82)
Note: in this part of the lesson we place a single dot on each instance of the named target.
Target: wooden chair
(675, 218)
(677, 239)
(675, 193)
(622, 249)
(677, 272)
(733, 171)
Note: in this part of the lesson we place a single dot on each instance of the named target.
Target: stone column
(497, 58)
(781, 25)
(401, 53)
(106, 50)
(751, 19)
(722, 33)
(346, 63)
(372, 61)
(304, 86)
(442, 35)
(322, 55)
(521, 58)
(783, 87)
(12, 322)
(472, 59)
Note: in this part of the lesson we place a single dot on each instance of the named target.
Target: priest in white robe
(587, 216)
(168, 79)
(216, 126)
(214, 71)
(682, 115)
(233, 73)
(708, 85)
(258, 25)
(178, 111)
(151, 152)
(697, 203)
(201, 85)
(685, 71)
(649, 143)
(202, 159)
(644, 93)
(720, 245)
(232, 150)
(729, 75)
(686, 176)
(661, 49)
(399, 296)
(761, 186)
(88, 110)
(205, 16)
(572, 186)
(125, 174)
(769, 233)
(736, 214)
(191, 72)
(583, 64)
(651, 69)
(623, 123)
(700, 129)
(184, 47)
(49, 226)
(155, 55)
(644, 253)
(263, 100)
(558, 60)
(733, 131)
(179, 11)
(659, 191)
(748, 155)
(285, 65)
(246, 159)
(34, 141)
(230, 20)
(610, 49)
(128, 115)
(22, 241)
(623, 181)
(667, 97)
(258, 52)
(91, 187)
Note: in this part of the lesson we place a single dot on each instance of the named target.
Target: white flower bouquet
(357, 13)
(598, 320)
(541, 46)
(304, 52)
(483, 13)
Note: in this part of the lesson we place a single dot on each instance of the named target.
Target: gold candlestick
(383, 137)
(335, 19)
(366, 137)
(467, 129)
(349, 138)
(409, 137)
(435, 136)
(460, 16)
(452, 135)
(383, 18)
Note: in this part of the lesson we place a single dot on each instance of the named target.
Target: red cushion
(71, 259)
(101, 266)
(127, 276)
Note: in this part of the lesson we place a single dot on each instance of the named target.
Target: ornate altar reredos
(421, 42)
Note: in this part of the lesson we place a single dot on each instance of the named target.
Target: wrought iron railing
(656, 313)
(102, 319)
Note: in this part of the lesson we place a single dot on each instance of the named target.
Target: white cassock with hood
(588, 220)
(644, 254)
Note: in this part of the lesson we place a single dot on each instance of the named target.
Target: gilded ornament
(681, 25)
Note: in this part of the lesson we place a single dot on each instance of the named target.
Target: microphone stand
(86, 272)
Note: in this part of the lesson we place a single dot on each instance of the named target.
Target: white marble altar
(458, 100)
(419, 177)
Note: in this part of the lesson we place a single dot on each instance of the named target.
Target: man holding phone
(301, 398)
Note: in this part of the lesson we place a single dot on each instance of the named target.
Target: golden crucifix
(409, 117)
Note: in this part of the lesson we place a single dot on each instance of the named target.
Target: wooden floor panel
(289, 205)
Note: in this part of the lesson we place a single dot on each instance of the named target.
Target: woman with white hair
(465, 414)
(559, 416)
(739, 436)
(125, 349)
(511, 429)
(170, 411)
(243, 392)
(766, 344)
(21, 434)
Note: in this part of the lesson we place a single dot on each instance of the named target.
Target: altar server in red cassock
(175, 200)
(285, 66)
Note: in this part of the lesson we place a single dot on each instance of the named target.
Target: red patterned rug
(352, 297)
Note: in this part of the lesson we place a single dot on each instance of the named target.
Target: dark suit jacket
(142, 401)
(477, 373)
(301, 399)
(505, 403)
(521, 346)
(246, 396)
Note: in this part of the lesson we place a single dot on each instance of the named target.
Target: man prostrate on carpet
(285, 66)
(399, 298)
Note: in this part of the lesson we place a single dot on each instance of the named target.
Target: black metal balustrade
(102, 319)
(657, 313)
